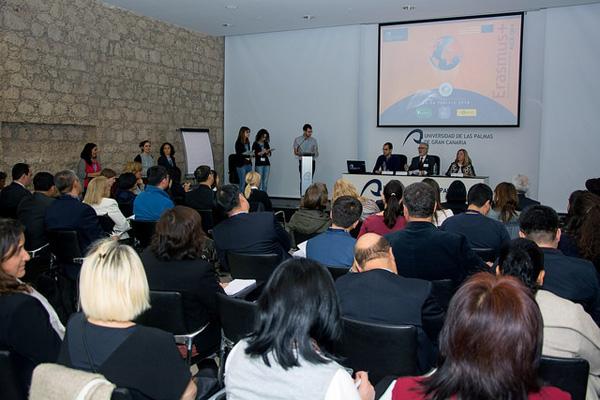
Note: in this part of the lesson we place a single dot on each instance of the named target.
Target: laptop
(356, 167)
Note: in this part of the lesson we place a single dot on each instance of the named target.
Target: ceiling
(259, 16)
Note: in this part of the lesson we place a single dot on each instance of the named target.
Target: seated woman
(29, 326)
(97, 196)
(254, 195)
(490, 346)
(311, 219)
(391, 218)
(289, 354)
(125, 195)
(581, 237)
(441, 214)
(177, 260)
(461, 165)
(344, 188)
(113, 292)
(505, 208)
(456, 198)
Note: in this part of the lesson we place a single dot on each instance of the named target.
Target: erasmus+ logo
(414, 132)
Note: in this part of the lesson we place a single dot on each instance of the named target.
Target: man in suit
(388, 161)
(11, 195)
(521, 183)
(424, 164)
(203, 197)
(481, 232)
(150, 204)
(571, 278)
(423, 251)
(244, 232)
(379, 295)
(32, 210)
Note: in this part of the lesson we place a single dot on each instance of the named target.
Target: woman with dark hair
(441, 214)
(391, 218)
(89, 164)
(289, 356)
(456, 198)
(311, 218)
(178, 260)
(490, 346)
(167, 156)
(145, 157)
(262, 151)
(506, 202)
(580, 236)
(29, 326)
(242, 150)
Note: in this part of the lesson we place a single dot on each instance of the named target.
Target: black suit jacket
(382, 297)
(574, 279)
(525, 202)
(10, 197)
(425, 252)
(429, 161)
(395, 163)
(68, 213)
(162, 160)
(201, 198)
(31, 213)
(251, 233)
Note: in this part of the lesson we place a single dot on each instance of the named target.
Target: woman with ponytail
(390, 219)
(254, 195)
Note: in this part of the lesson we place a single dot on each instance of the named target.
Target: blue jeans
(242, 171)
(263, 171)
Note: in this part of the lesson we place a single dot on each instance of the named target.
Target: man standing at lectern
(424, 164)
(306, 144)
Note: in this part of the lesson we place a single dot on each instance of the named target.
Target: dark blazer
(162, 160)
(31, 213)
(241, 159)
(68, 213)
(429, 161)
(10, 197)
(425, 252)
(525, 202)
(382, 297)
(395, 163)
(202, 198)
(574, 279)
(259, 196)
(251, 233)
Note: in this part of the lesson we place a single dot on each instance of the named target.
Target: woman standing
(244, 162)
(89, 164)
(145, 158)
(262, 151)
(167, 156)
(462, 164)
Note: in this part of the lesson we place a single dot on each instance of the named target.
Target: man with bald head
(377, 294)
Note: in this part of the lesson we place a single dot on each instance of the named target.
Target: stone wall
(73, 71)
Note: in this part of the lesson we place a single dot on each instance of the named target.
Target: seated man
(423, 251)
(424, 164)
(32, 210)
(247, 233)
(379, 295)
(203, 197)
(571, 278)
(388, 161)
(67, 212)
(521, 183)
(335, 246)
(481, 232)
(11, 195)
(150, 204)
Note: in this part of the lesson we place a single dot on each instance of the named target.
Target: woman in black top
(244, 162)
(255, 196)
(262, 151)
(167, 156)
(456, 198)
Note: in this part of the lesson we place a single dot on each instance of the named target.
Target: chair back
(165, 312)
(64, 245)
(256, 206)
(208, 220)
(403, 161)
(232, 161)
(300, 237)
(106, 223)
(237, 317)
(486, 254)
(121, 394)
(379, 349)
(443, 290)
(252, 266)
(336, 272)
(568, 374)
(10, 388)
(142, 232)
(354, 232)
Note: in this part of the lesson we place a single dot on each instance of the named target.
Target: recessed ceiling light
(226, 25)
(408, 7)
(231, 7)
(308, 17)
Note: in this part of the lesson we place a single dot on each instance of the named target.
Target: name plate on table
(387, 172)
(402, 173)
(457, 175)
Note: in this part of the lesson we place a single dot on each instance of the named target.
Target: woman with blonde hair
(254, 195)
(97, 196)
(462, 164)
(135, 168)
(344, 188)
(506, 202)
(103, 338)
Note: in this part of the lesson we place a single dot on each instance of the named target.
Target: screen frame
(518, 123)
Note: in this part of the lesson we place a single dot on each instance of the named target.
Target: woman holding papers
(262, 152)
(244, 154)
(461, 165)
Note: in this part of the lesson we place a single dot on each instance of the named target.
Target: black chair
(121, 394)
(300, 237)
(106, 223)
(381, 350)
(166, 313)
(126, 209)
(443, 290)
(403, 161)
(252, 266)
(232, 161)
(354, 232)
(142, 233)
(256, 206)
(486, 254)
(64, 245)
(336, 272)
(9, 384)
(208, 220)
(568, 374)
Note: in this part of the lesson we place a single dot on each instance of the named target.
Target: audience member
(154, 200)
(167, 156)
(203, 197)
(111, 175)
(521, 183)
(423, 251)
(97, 197)
(593, 185)
(344, 188)
(581, 237)
(480, 231)
(145, 157)
(490, 347)
(289, 356)
(176, 261)
(379, 295)
(125, 195)
(29, 326)
(177, 190)
(256, 196)
(391, 218)
(335, 246)
(88, 166)
(311, 218)
(32, 210)
(2, 180)
(11, 195)
(568, 277)
(103, 339)
(461, 165)
(136, 169)
(456, 198)
(247, 233)
(505, 208)
(441, 214)
(568, 330)
(216, 182)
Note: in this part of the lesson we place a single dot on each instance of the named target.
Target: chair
(126, 209)
(252, 266)
(336, 272)
(166, 313)
(207, 219)
(300, 237)
(142, 232)
(121, 394)
(568, 374)
(403, 161)
(10, 388)
(486, 254)
(64, 245)
(232, 161)
(381, 350)
(280, 217)
(256, 206)
(354, 232)
(106, 223)
(443, 290)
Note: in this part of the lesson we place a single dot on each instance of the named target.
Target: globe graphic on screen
(447, 53)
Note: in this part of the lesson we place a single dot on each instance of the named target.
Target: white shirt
(110, 207)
